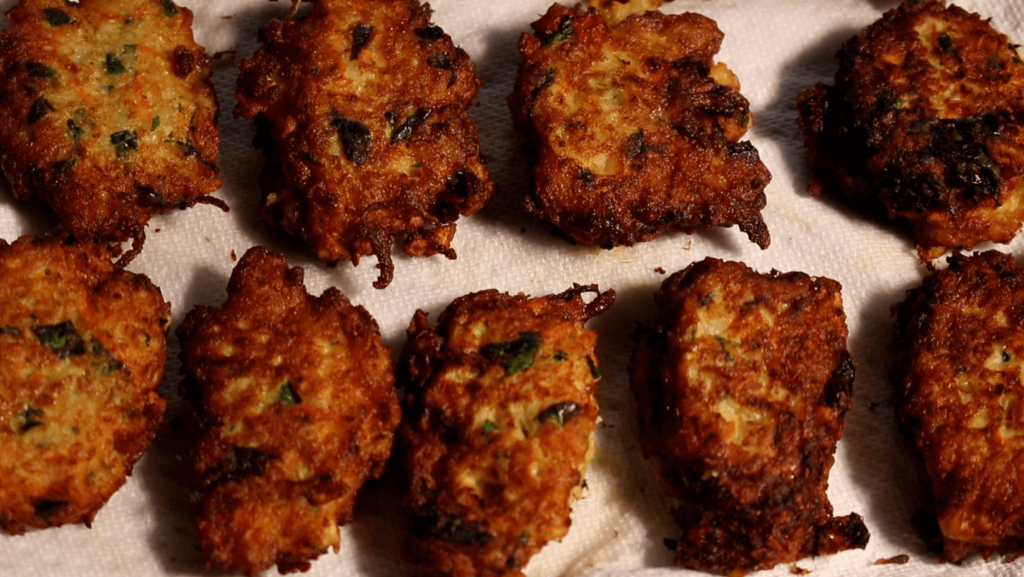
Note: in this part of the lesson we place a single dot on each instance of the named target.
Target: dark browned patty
(362, 109)
(742, 390)
(82, 351)
(295, 408)
(107, 113)
(633, 130)
(500, 416)
(959, 400)
(924, 121)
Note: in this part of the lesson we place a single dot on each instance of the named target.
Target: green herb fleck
(560, 413)
(37, 70)
(76, 131)
(62, 339)
(31, 417)
(114, 65)
(360, 38)
(946, 43)
(564, 31)
(170, 9)
(124, 141)
(452, 530)
(594, 371)
(490, 426)
(156, 123)
(514, 356)
(1006, 356)
(288, 396)
(39, 109)
(722, 341)
(561, 355)
(56, 17)
(898, 104)
(404, 132)
(108, 363)
(355, 138)
(994, 64)
(130, 47)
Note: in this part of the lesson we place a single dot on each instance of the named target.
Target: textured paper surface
(777, 48)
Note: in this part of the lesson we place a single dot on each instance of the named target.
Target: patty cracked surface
(107, 113)
(82, 351)
(295, 408)
(742, 390)
(924, 121)
(632, 129)
(362, 111)
(959, 399)
(500, 417)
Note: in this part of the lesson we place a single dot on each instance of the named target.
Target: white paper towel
(777, 48)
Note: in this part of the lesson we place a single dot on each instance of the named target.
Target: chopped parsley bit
(1006, 356)
(360, 38)
(288, 396)
(130, 47)
(124, 141)
(946, 43)
(514, 356)
(156, 122)
(76, 131)
(404, 132)
(355, 138)
(722, 341)
(56, 17)
(170, 9)
(745, 119)
(452, 530)
(594, 371)
(994, 64)
(560, 355)
(114, 65)
(62, 339)
(489, 427)
(546, 81)
(40, 108)
(31, 416)
(148, 339)
(108, 363)
(565, 30)
(898, 104)
(37, 70)
(560, 413)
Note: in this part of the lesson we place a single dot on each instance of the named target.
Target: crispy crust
(742, 392)
(295, 409)
(925, 120)
(107, 113)
(500, 415)
(632, 130)
(362, 113)
(958, 393)
(82, 351)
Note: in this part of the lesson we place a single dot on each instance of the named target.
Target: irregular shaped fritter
(924, 120)
(633, 130)
(500, 415)
(108, 113)
(742, 392)
(295, 408)
(82, 351)
(362, 111)
(959, 400)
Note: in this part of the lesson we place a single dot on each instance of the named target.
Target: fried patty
(632, 129)
(295, 408)
(82, 351)
(924, 121)
(500, 416)
(107, 113)
(362, 111)
(742, 391)
(959, 398)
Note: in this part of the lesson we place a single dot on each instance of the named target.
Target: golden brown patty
(925, 120)
(742, 391)
(362, 112)
(960, 400)
(295, 408)
(107, 112)
(633, 130)
(82, 350)
(500, 415)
